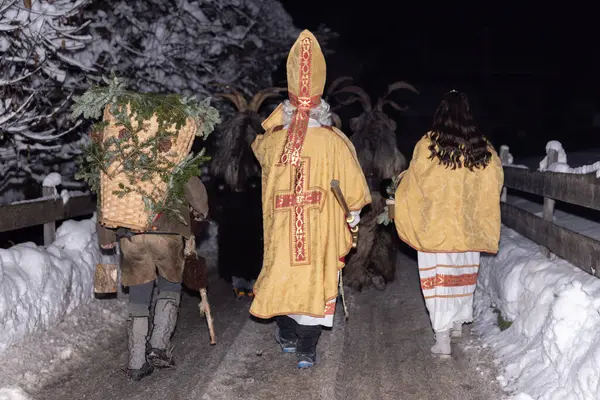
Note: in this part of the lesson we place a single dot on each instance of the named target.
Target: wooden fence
(45, 211)
(582, 190)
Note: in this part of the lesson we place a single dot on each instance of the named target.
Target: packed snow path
(382, 352)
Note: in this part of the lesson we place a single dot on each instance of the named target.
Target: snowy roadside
(47, 355)
(551, 350)
(39, 286)
(548, 308)
(43, 326)
(50, 322)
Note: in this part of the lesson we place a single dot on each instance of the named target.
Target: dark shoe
(308, 337)
(250, 288)
(160, 358)
(239, 293)
(138, 374)
(306, 360)
(287, 345)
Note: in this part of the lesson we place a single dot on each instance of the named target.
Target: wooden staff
(205, 310)
(335, 188)
(195, 277)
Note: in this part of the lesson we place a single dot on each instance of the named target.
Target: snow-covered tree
(52, 49)
(185, 45)
(38, 77)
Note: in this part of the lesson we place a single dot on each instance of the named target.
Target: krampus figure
(237, 192)
(374, 137)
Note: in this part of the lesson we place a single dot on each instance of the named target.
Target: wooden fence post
(504, 159)
(548, 202)
(50, 227)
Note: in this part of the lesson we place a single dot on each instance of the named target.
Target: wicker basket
(130, 211)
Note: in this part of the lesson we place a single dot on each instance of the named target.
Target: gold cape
(441, 210)
(303, 251)
(305, 232)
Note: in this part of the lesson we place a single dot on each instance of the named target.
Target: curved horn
(264, 94)
(382, 102)
(337, 83)
(337, 121)
(362, 96)
(236, 98)
(401, 85)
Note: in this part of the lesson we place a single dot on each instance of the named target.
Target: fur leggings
(140, 296)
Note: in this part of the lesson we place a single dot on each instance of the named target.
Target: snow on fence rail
(582, 190)
(45, 211)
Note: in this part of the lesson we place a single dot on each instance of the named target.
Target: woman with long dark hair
(447, 207)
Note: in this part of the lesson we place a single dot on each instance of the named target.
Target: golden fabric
(306, 80)
(306, 70)
(441, 210)
(305, 233)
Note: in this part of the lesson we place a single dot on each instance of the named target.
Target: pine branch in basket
(142, 160)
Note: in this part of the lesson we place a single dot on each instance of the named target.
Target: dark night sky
(525, 69)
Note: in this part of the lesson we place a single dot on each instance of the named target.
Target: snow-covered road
(381, 352)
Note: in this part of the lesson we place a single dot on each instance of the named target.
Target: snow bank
(39, 286)
(13, 394)
(552, 349)
(48, 356)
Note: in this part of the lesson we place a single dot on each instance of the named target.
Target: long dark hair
(455, 134)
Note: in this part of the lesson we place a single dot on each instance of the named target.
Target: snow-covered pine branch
(183, 46)
(38, 76)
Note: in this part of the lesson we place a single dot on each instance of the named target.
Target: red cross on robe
(298, 201)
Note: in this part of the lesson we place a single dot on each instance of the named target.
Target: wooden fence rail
(45, 211)
(582, 190)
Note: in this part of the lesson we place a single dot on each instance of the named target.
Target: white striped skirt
(448, 282)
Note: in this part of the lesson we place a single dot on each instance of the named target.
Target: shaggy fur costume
(236, 197)
(374, 137)
(374, 261)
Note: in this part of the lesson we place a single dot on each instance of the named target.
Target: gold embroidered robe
(441, 210)
(305, 235)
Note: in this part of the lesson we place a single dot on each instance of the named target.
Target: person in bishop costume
(447, 207)
(306, 236)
